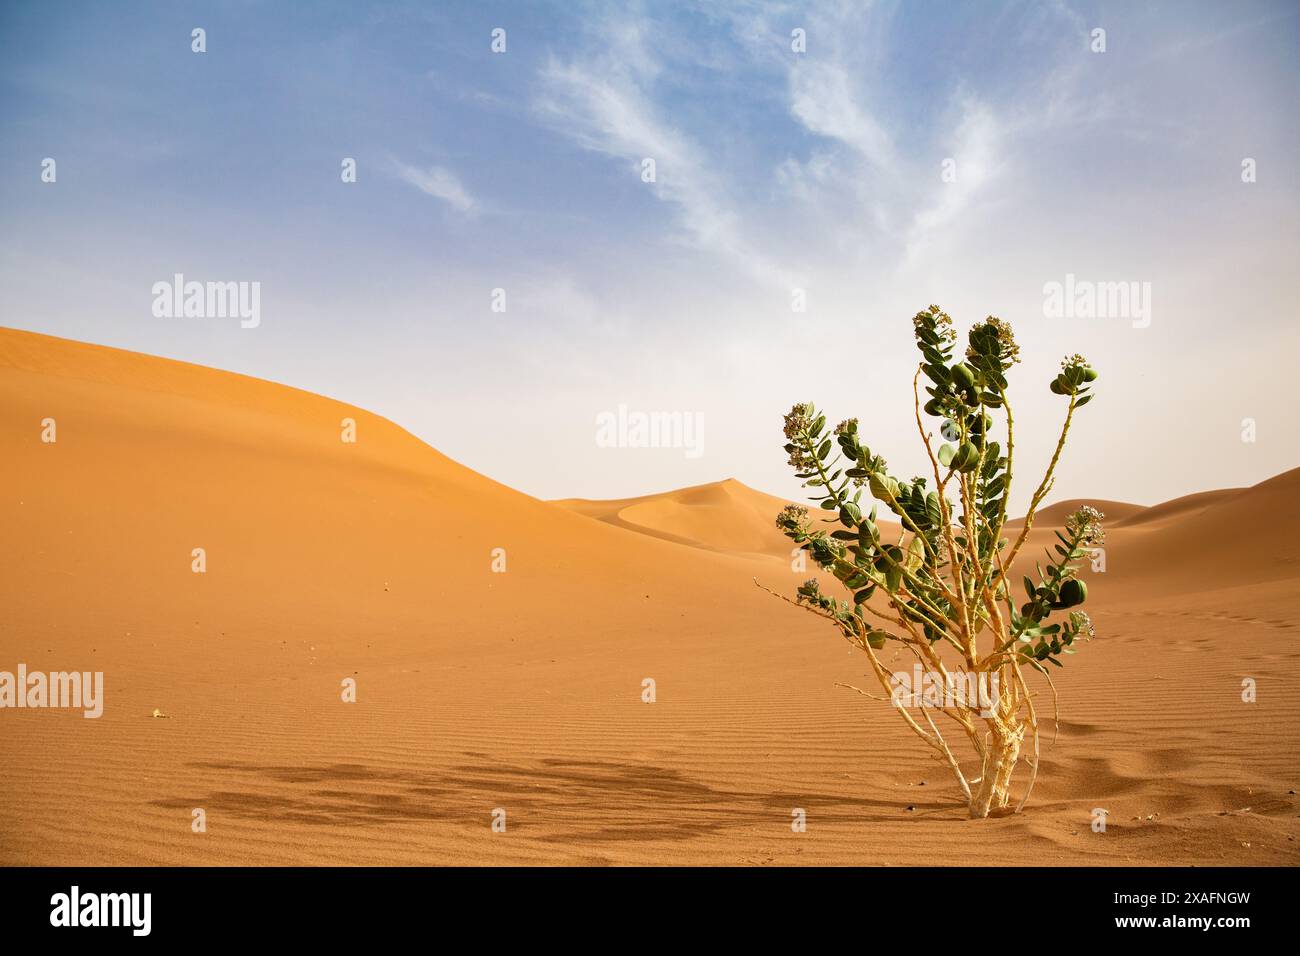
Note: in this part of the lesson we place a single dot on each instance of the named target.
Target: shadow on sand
(596, 800)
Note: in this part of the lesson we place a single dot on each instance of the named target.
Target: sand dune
(722, 516)
(1177, 508)
(725, 516)
(522, 690)
(1237, 537)
(1054, 515)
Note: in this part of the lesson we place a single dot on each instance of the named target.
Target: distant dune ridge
(731, 517)
(721, 516)
(524, 689)
(1116, 512)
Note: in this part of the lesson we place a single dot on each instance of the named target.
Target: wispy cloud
(440, 183)
(850, 183)
(977, 151)
(606, 103)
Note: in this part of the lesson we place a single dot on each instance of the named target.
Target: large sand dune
(522, 690)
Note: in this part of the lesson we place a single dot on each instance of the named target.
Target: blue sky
(775, 170)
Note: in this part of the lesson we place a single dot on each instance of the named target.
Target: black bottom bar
(921, 905)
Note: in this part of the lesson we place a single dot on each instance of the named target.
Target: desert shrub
(940, 591)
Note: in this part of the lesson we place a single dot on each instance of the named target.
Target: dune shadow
(558, 799)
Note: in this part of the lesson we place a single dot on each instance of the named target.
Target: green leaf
(936, 373)
(883, 487)
(893, 577)
(932, 510)
(868, 532)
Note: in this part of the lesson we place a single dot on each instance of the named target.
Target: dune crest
(725, 516)
(1054, 514)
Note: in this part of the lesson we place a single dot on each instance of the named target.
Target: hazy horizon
(968, 155)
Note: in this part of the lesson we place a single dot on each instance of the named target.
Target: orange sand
(522, 690)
